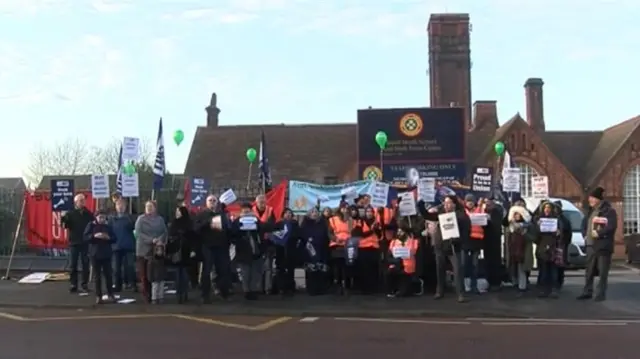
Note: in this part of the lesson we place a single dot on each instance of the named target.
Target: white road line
(566, 324)
(631, 268)
(403, 321)
(309, 319)
(550, 320)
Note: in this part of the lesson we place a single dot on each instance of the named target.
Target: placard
(130, 185)
(130, 149)
(479, 219)
(228, 197)
(548, 225)
(407, 205)
(482, 179)
(511, 179)
(449, 226)
(199, 190)
(62, 195)
(540, 187)
(379, 192)
(100, 186)
(427, 189)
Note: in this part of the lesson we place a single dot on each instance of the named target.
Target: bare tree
(104, 159)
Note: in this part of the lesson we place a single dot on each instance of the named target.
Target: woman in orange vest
(402, 263)
(368, 262)
(342, 226)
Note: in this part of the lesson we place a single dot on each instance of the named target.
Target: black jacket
(606, 234)
(211, 237)
(183, 241)
(76, 221)
(99, 248)
(250, 243)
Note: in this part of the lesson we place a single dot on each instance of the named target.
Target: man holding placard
(479, 221)
(598, 228)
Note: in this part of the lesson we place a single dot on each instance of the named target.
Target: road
(28, 334)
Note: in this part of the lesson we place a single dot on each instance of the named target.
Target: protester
(327, 213)
(150, 230)
(402, 263)
(181, 249)
(157, 272)
(368, 261)
(492, 243)
(342, 226)
(314, 233)
(548, 240)
(519, 249)
(124, 248)
(211, 225)
(265, 215)
(567, 234)
(285, 244)
(76, 221)
(598, 228)
(100, 237)
(475, 244)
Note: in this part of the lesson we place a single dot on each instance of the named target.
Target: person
(598, 228)
(157, 272)
(342, 226)
(76, 221)
(247, 233)
(402, 263)
(181, 250)
(150, 230)
(519, 245)
(124, 247)
(211, 226)
(494, 269)
(285, 243)
(265, 215)
(474, 245)
(368, 261)
(548, 236)
(567, 234)
(451, 250)
(327, 214)
(314, 235)
(100, 237)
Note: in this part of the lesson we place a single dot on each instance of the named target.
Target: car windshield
(575, 218)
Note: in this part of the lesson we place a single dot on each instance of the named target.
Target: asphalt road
(29, 334)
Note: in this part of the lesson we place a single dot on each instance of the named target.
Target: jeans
(79, 255)
(102, 269)
(215, 258)
(157, 290)
(472, 267)
(251, 275)
(457, 265)
(520, 276)
(548, 275)
(182, 283)
(124, 269)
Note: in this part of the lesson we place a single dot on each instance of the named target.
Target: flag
(265, 173)
(158, 164)
(119, 173)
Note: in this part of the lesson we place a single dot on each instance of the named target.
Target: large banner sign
(303, 195)
(43, 225)
(427, 140)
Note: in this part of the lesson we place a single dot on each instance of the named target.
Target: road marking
(255, 328)
(567, 324)
(404, 321)
(13, 317)
(631, 268)
(272, 323)
(551, 320)
(309, 319)
(99, 317)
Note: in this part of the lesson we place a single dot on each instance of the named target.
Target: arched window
(631, 201)
(526, 175)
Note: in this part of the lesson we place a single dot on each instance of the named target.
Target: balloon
(129, 169)
(381, 139)
(499, 148)
(178, 137)
(251, 154)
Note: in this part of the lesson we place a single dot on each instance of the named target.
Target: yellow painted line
(213, 322)
(99, 317)
(272, 323)
(403, 321)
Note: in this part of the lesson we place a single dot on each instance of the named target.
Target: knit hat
(598, 193)
(470, 198)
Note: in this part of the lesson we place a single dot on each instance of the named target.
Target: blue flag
(159, 164)
(265, 172)
(119, 173)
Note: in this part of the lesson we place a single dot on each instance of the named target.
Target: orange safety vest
(264, 218)
(371, 241)
(409, 264)
(477, 232)
(388, 215)
(341, 231)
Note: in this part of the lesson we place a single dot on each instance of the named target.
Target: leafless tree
(104, 159)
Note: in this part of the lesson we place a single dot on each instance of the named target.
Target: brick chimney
(535, 109)
(485, 115)
(213, 112)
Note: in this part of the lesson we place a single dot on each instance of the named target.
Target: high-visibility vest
(387, 216)
(341, 231)
(264, 218)
(409, 264)
(371, 241)
(477, 232)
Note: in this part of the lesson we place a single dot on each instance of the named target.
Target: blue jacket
(606, 234)
(99, 248)
(122, 226)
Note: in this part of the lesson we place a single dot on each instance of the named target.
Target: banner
(43, 226)
(303, 195)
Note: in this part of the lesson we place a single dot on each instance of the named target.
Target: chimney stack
(485, 113)
(213, 111)
(535, 108)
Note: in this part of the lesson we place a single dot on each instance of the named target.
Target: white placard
(130, 185)
(401, 252)
(100, 186)
(449, 226)
(548, 225)
(407, 205)
(34, 278)
(228, 197)
(427, 189)
(540, 187)
(248, 223)
(478, 219)
(379, 192)
(216, 222)
(130, 149)
(511, 179)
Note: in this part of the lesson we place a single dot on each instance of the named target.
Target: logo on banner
(372, 173)
(411, 125)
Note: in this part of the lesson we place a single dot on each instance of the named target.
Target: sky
(104, 69)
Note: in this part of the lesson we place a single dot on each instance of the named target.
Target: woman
(548, 238)
(314, 236)
(519, 245)
(181, 250)
(343, 227)
(327, 213)
(402, 261)
(150, 230)
(368, 262)
(286, 241)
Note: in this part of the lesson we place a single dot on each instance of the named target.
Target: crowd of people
(354, 248)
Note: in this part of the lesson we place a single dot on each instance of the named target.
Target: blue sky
(106, 69)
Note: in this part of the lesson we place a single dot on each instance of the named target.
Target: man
(475, 244)
(210, 225)
(76, 221)
(124, 248)
(266, 217)
(598, 228)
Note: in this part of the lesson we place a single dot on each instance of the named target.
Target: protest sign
(100, 186)
(130, 185)
(511, 179)
(449, 226)
(427, 189)
(540, 187)
(62, 192)
(379, 192)
(407, 205)
(482, 179)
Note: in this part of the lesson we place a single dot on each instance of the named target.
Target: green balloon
(129, 169)
(381, 139)
(499, 148)
(251, 155)
(178, 137)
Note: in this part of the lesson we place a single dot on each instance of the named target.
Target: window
(631, 201)
(523, 145)
(526, 174)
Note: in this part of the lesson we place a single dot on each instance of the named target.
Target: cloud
(111, 6)
(30, 7)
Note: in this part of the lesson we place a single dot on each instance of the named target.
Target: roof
(562, 144)
(12, 183)
(83, 182)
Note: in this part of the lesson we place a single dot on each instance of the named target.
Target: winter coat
(519, 238)
(604, 242)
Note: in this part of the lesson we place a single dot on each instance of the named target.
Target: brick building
(574, 161)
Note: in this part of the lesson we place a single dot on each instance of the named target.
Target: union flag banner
(43, 226)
